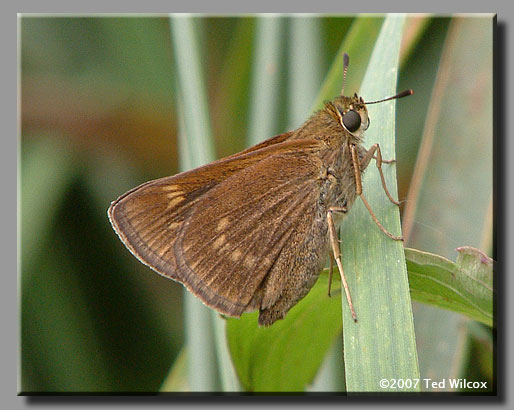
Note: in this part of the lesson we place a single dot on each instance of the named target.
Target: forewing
(240, 228)
(148, 218)
(277, 139)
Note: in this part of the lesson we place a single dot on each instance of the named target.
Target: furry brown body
(250, 231)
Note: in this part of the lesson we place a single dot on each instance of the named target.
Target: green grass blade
(192, 91)
(228, 377)
(382, 343)
(177, 377)
(230, 97)
(208, 360)
(265, 79)
(196, 149)
(304, 76)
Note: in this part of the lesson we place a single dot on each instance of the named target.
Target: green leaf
(382, 343)
(464, 286)
(287, 355)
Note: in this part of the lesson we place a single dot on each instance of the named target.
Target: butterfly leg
(358, 182)
(331, 271)
(385, 161)
(337, 256)
(365, 162)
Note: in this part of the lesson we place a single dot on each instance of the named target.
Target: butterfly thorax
(337, 172)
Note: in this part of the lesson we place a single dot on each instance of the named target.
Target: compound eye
(352, 120)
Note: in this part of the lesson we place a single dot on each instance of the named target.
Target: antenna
(346, 63)
(400, 95)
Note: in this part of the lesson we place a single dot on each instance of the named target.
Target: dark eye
(352, 120)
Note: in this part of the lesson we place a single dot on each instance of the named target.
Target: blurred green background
(99, 116)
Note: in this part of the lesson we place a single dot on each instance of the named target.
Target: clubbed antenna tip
(405, 93)
(346, 60)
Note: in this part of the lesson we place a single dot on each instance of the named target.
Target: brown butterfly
(253, 230)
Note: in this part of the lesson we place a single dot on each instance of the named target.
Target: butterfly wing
(227, 230)
(239, 244)
(277, 139)
(148, 218)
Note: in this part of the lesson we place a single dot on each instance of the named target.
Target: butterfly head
(351, 112)
(352, 115)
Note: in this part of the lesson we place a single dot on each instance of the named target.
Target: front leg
(365, 162)
(358, 190)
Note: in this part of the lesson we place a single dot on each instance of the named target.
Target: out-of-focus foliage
(449, 202)
(98, 117)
